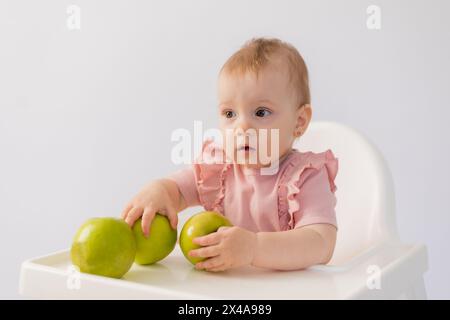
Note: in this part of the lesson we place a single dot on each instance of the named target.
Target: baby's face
(267, 102)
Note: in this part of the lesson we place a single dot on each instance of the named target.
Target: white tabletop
(175, 278)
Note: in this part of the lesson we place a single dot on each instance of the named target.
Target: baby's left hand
(227, 248)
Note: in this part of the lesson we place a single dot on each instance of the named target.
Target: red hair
(257, 53)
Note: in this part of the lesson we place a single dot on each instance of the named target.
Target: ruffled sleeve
(203, 182)
(307, 190)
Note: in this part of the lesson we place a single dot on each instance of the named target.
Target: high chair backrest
(365, 193)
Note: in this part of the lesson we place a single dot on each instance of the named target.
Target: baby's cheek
(227, 136)
(286, 137)
(273, 145)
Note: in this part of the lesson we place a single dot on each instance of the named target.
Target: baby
(284, 220)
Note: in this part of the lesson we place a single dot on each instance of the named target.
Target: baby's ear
(306, 107)
(304, 116)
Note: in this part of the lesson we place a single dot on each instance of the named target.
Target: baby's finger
(133, 215)
(210, 263)
(147, 219)
(223, 229)
(208, 240)
(173, 216)
(125, 210)
(220, 268)
(205, 252)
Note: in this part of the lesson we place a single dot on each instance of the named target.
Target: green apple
(104, 246)
(160, 242)
(198, 225)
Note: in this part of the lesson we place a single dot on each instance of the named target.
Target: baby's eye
(262, 112)
(228, 114)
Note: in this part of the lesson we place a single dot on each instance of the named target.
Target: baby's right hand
(153, 198)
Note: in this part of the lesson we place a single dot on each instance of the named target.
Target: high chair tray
(53, 277)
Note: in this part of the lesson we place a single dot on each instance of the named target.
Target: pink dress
(302, 192)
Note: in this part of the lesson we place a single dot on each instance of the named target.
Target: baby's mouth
(245, 147)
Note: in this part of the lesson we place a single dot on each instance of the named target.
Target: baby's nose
(244, 126)
(245, 134)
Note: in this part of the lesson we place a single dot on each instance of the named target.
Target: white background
(86, 116)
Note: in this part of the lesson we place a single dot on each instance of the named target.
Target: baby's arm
(295, 249)
(175, 194)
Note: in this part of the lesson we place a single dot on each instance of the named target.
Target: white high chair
(369, 261)
(366, 215)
